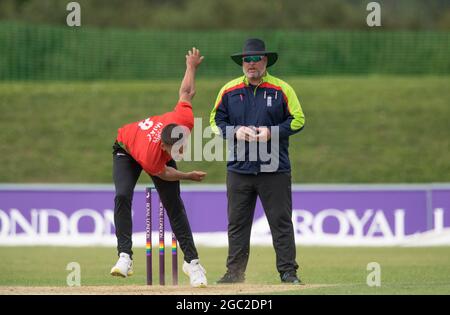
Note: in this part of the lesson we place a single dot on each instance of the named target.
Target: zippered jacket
(273, 104)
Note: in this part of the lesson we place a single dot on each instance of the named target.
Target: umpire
(258, 108)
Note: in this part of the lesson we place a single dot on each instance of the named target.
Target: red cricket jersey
(142, 139)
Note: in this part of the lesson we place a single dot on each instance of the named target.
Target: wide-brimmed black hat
(255, 47)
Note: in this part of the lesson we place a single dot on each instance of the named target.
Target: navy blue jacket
(273, 104)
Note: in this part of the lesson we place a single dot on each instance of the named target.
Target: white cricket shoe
(123, 267)
(196, 273)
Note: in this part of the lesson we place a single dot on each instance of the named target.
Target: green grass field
(358, 129)
(343, 270)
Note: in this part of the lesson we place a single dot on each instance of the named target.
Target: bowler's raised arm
(187, 88)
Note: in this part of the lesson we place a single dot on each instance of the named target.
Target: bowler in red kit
(151, 145)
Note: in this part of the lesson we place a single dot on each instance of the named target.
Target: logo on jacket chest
(269, 98)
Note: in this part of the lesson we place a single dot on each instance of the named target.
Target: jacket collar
(265, 78)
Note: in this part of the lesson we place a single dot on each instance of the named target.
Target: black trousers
(274, 190)
(126, 172)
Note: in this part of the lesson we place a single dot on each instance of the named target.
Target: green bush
(30, 52)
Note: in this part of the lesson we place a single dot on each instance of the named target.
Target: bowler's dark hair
(171, 134)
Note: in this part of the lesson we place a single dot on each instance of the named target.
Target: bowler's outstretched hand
(196, 176)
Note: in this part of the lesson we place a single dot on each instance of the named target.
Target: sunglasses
(252, 59)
